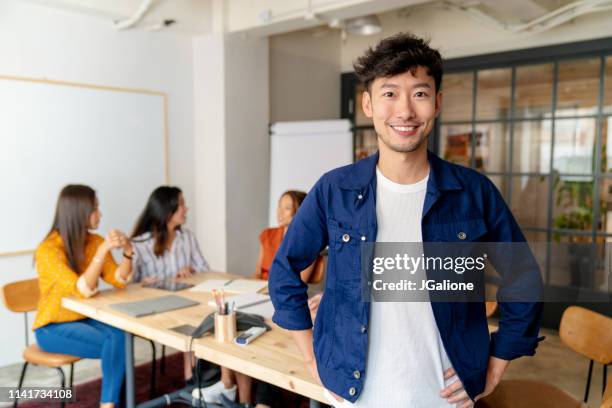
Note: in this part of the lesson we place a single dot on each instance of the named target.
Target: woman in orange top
(232, 382)
(69, 262)
(271, 238)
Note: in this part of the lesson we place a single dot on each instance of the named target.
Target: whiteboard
(301, 152)
(53, 134)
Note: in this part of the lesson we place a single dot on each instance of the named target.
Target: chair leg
(153, 369)
(21, 378)
(162, 366)
(588, 385)
(605, 378)
(71, 374)
(62, 381)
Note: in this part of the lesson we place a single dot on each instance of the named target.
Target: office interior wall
(247, 146)
(209, 147)
(40, 42)
(231, 148)
(305, 75)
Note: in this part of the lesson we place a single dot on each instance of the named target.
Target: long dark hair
(163, 202)
(75, 205)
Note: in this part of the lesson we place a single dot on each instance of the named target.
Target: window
(538, 123)
(539, 131)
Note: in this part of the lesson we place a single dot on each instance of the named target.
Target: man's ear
(366, 104)
(438, 103)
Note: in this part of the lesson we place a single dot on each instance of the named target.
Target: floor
(554, 363)
(84, 370)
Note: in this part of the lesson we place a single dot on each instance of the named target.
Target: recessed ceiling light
(366, 25)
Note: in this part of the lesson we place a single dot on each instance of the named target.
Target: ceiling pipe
(540, 24)
(130, 22)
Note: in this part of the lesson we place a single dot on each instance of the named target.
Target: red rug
(88, 393)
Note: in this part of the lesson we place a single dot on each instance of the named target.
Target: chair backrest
(606, 401)
(588, 333)
(319, 270)
(491, 308)
(21, 296)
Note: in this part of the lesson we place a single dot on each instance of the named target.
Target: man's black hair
(397, 54)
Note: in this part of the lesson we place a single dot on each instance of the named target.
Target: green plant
(575, 199)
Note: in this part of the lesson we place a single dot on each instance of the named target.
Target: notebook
(152, 306)
(254, 303)
(232, 285)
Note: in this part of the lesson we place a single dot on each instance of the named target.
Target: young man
(394, 354)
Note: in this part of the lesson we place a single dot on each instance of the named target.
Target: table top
(273, 357)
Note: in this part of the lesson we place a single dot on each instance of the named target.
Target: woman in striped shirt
(163, 248)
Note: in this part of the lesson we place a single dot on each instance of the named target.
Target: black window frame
(553, 54)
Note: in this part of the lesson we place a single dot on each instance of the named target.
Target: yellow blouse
(56, 279)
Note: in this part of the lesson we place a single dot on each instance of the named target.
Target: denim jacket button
(357, 374)
(462, 235)
(363, 329)
(346, 238)
(352, 391)
(360, 196)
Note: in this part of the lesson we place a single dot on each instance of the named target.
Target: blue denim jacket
(343, 201)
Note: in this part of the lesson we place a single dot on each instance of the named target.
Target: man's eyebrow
(388, 85)
(421, 85)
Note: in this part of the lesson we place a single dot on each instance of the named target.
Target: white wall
(209, 147)
(40, 42)
(232, 147)
(457, 35)
(247, 149)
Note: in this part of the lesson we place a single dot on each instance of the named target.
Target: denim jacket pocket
(344, 251)
(471, 230)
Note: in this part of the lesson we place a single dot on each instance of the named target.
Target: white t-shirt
(406, 358)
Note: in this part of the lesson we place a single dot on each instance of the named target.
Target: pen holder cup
(225, 327)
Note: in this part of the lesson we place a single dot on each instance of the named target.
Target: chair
(528, 394)
(584, 331)
(606, 401)
(319, 270)
(491, 308)
(590, 334)
(162, 366)
(22, 297)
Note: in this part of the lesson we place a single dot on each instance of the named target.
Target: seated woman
(270, 238)
(163, 248)
(233, 382)
(69, 262)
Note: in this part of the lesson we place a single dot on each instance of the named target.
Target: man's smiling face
(404, 108)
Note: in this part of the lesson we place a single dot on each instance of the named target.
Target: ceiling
(194, 16)
(518, 11)
(191, 16)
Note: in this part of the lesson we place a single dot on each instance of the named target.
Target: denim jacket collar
(441, 177)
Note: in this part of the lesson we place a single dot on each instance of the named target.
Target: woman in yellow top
(69, 262)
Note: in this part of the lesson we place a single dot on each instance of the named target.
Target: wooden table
(273, 357)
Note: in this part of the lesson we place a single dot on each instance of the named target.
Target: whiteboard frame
(101, 88)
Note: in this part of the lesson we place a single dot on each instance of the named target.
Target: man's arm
(305, 238)
(519, 323)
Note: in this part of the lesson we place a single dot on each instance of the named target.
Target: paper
(232, 285)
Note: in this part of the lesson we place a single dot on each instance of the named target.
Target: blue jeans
(89, 338)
